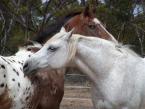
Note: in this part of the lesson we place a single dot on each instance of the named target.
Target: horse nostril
(25, 66)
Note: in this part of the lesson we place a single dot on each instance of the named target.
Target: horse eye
(92, 26)
(52, 48)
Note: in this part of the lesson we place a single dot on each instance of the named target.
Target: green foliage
(27, 17)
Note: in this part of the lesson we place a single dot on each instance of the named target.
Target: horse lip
(26, 71)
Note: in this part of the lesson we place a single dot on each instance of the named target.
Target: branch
(122, 29)
(3, 25)
(140, 41)
(138, 27)
(44, 16)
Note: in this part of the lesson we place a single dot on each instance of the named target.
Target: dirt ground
(77, 93)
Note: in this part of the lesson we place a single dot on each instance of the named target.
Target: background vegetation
(21, 20)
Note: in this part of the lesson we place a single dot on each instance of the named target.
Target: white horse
(117, 73)
(16, 90)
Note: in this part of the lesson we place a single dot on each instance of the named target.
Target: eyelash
(52, 49)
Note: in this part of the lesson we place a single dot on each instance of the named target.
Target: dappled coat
(20, 92)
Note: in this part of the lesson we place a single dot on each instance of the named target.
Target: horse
(20, 92)
(117, 72)
(87, 24)
(16, 91)
(84, 22)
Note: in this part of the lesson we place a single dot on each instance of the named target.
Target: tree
(21, 20)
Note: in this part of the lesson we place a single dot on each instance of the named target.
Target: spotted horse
(20, 92)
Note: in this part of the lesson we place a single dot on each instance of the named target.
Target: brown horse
(51, 86)
(84, 23)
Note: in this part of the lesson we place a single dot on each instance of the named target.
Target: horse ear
(36, 44)
(69, 34)
(86, 12)
(94, 10)
(20, 48)
(33, 49)
(62, 30)
(89, 11)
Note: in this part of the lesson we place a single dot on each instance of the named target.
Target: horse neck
(96, 63)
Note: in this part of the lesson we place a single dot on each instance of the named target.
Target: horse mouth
(29, 73)
(33, 72)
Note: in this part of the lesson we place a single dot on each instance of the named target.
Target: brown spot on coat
(5, 101)
(50, 86)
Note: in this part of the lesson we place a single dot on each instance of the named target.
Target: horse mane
(125, 49)
(51, 29)
(73, 48)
